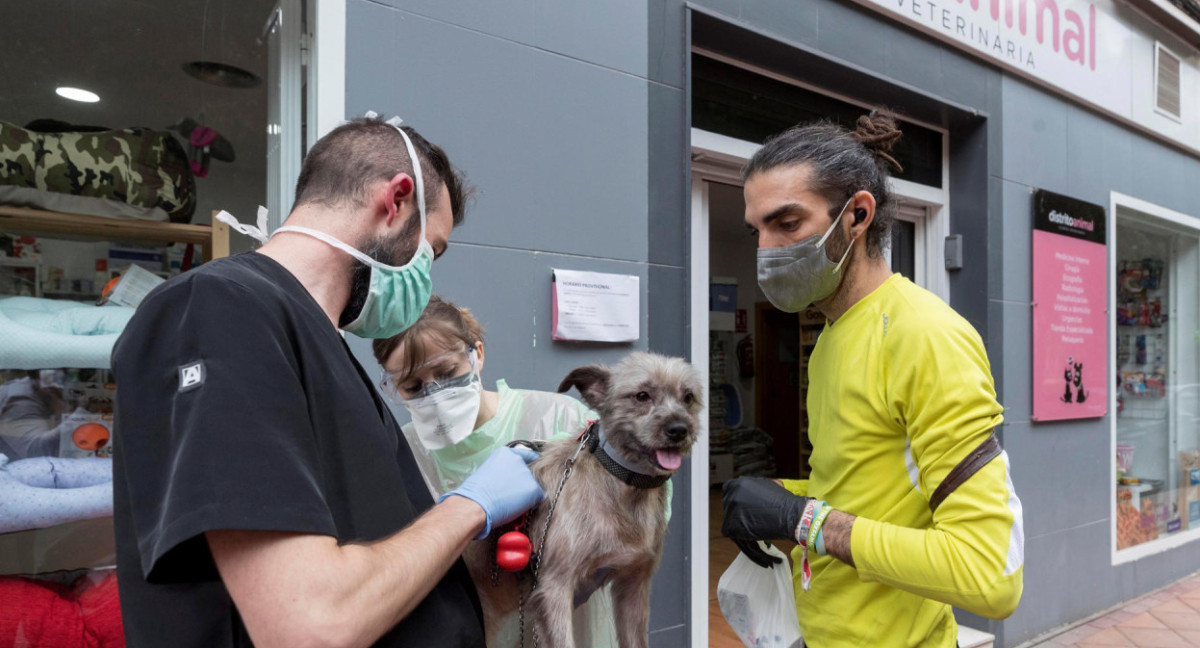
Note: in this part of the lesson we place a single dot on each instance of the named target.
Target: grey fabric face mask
(800, 274)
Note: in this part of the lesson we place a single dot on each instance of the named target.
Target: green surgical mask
(396, 295)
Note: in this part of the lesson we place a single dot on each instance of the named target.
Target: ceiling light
(75, 94)
(220, 74)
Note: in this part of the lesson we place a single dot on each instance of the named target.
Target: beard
(835, 247)
(393, 252)
(836, 244)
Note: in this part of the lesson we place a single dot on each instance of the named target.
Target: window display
(1158, 389)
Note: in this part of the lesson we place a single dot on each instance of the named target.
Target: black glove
(757, 508)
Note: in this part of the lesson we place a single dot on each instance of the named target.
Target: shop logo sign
(1064, 215)
(1060, 218)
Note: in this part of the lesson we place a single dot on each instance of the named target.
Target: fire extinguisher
(745, 356)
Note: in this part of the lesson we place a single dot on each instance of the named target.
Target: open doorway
(757, 356)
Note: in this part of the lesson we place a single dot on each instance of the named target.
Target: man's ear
(862, 213)
(398, 190)
(591, 381)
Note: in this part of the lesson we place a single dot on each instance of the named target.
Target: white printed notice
(596, 307)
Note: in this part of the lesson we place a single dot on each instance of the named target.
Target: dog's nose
(677, 431)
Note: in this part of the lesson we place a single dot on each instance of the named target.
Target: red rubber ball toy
(512, 551)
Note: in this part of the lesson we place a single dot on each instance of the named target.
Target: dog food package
(1189, 489)
(85, 434)
(760, 604)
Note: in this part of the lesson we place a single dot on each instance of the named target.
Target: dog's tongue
(669, 459)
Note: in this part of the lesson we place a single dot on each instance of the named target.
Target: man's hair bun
(879, 133)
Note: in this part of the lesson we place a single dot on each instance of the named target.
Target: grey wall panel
(1063, 581)
(1163, 175)
(1099, 157)
(511, 19)
(996, 261)
(558, 149)
(667, 44)
(854, 35)
(670, 591)
(669, 332)
(970, 217)
(792, 20)
(994, 341)
(611, 33)
(1035, 137)
(1017, 239)
(1068, 501)
(915, 61)
(591, 161)
(669, 186)
(490, 282)
(965, 79)
(1017, 323)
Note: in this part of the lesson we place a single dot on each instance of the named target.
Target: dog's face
(649, 405)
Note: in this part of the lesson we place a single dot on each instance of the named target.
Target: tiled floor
(1168, 618)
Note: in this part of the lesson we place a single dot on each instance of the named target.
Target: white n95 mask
(446, 414)
(794, 276)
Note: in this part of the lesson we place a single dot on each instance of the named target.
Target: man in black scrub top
(263, 492)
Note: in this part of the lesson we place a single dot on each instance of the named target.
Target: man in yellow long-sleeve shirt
(909, 508)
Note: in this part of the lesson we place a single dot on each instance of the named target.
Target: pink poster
(1070, 297)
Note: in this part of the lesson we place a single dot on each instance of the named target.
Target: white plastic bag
(759, 603)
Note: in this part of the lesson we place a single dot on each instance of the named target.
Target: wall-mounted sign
(595, 306)
(1070, 319)
(1098, 51)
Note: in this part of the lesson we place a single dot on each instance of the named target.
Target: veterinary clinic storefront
(601, 134)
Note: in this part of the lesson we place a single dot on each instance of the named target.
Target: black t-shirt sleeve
(214, 423)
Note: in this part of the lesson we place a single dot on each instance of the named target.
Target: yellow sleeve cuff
(796, 486)
(864, 542)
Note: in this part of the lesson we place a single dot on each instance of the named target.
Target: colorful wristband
(804, 534)
(820, 546)
(806, 519)
(815, 528)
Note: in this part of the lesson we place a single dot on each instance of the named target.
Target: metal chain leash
(535, 567)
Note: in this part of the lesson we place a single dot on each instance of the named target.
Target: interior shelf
(214, 239)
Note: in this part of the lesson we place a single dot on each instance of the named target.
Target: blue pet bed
(46, 491)
(46, 333)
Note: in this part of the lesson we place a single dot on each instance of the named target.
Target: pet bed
(45, 334)
(126, 173)
(46, 491)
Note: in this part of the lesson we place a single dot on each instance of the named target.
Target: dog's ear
(591, 381)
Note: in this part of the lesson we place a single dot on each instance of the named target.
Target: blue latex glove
(503, 486)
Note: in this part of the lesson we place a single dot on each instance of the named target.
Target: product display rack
(73, 545)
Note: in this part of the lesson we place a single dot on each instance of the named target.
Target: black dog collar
(635, 479)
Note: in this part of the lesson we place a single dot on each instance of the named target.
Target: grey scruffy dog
(610, 520)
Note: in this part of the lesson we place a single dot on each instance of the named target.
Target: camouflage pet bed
(128, 173)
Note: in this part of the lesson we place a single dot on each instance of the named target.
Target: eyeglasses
(390, 382)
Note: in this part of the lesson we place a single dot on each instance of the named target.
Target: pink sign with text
(1070, 298)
